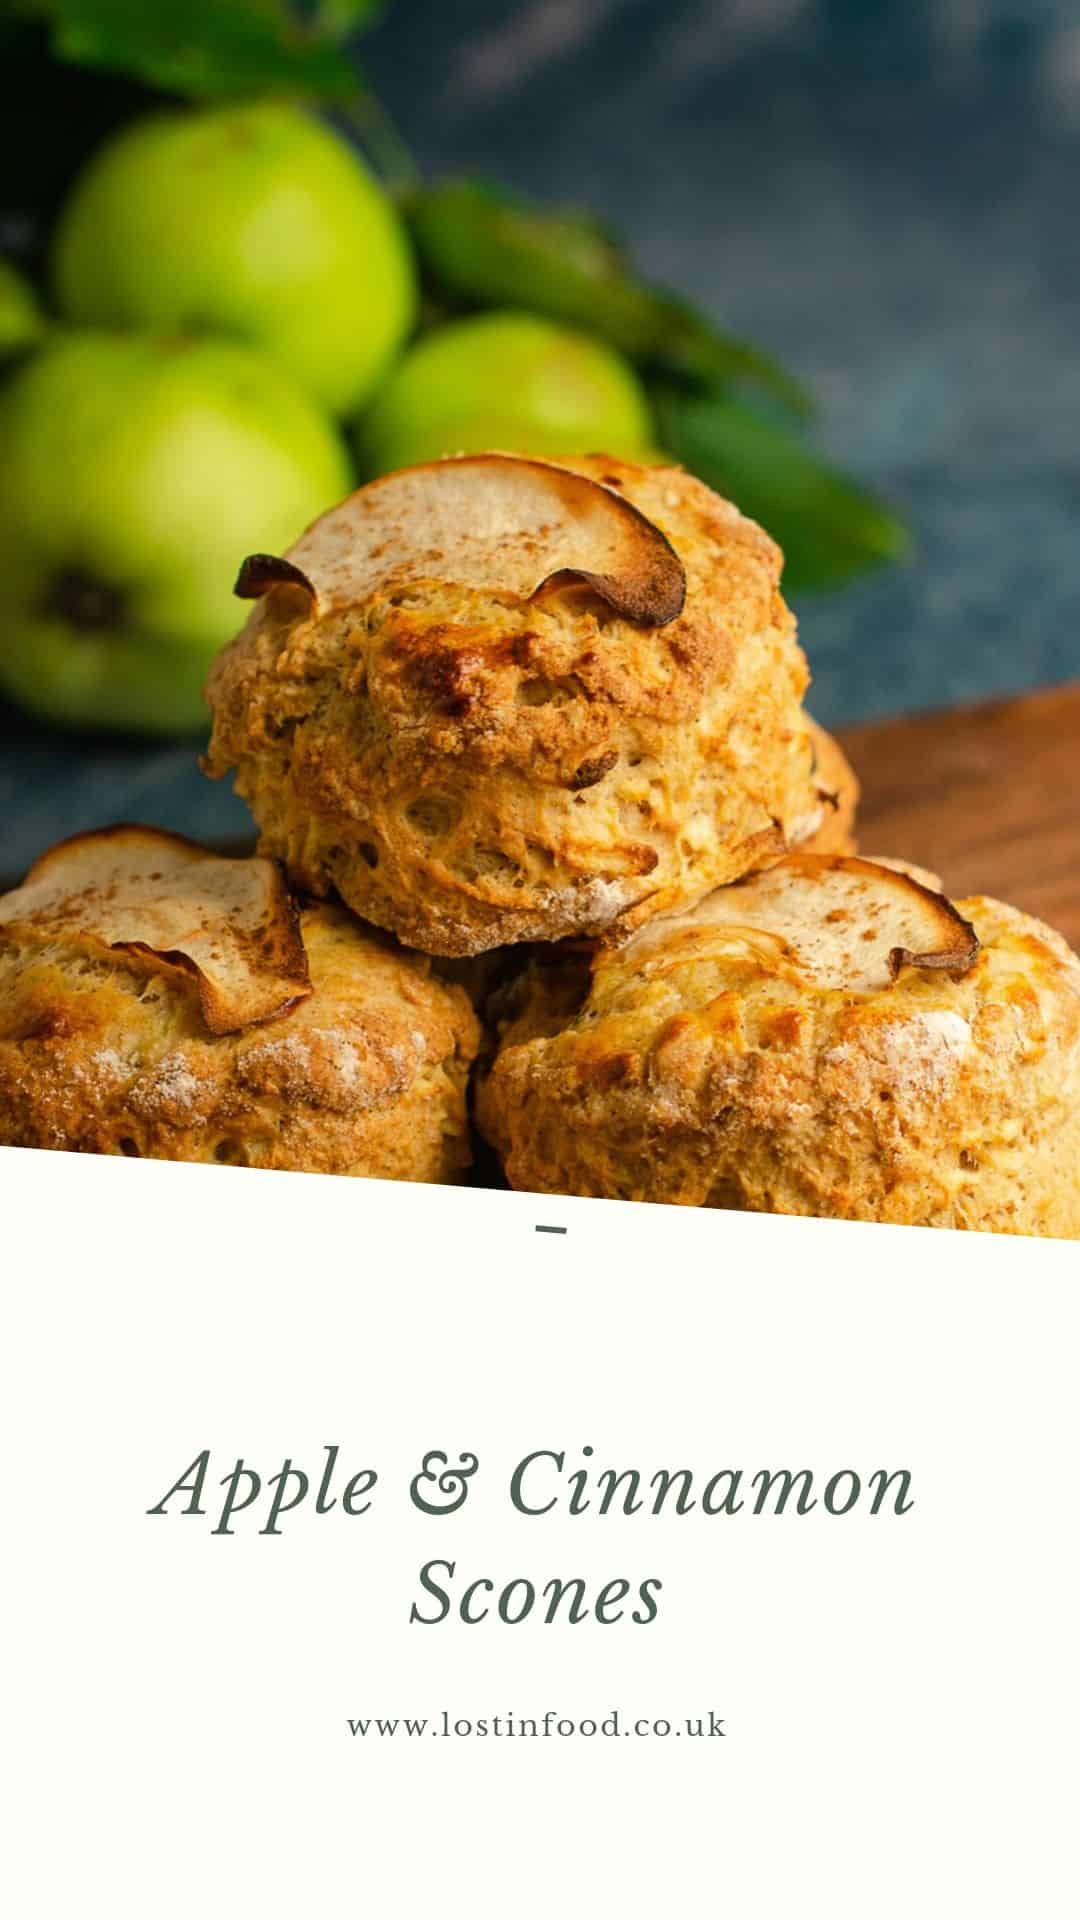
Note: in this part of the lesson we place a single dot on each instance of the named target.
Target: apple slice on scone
(230, 926)
(483, 520)
(837, 922)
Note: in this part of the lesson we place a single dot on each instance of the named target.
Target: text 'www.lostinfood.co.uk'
(550, 1725)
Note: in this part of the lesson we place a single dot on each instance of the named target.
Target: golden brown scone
(817, 1039)
(107, 1049)
(828, 829)
(831, 828)
(496, 700)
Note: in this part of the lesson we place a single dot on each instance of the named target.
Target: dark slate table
(888, 194)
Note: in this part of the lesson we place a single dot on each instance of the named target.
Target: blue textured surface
(889, 195)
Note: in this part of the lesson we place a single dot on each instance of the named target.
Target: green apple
(136, 471)
(21, 321)
(510, 381)
(255, 221)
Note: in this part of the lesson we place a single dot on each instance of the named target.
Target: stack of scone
(542, 725)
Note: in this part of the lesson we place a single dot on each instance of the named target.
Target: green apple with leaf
(253, 220)
(507, 380)
(136, 471)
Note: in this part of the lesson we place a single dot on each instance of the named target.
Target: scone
(158, 1001)
(830, 828)
(492, 700)
(828, 1037)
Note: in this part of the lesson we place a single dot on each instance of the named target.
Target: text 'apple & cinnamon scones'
(158, 1001)
(494, 699)
(826, 1037)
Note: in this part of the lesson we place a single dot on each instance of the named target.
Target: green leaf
(484, 248)
(829, 528)
(337, 18)
(202, 49)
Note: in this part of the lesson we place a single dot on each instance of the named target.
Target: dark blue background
(887, 194)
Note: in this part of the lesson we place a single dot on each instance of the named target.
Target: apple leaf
(340, 17)
(482, 247)
(210, 49)
(829, 527)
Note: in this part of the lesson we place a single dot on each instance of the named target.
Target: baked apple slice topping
(229, 926)
(522, 527)
(841, 922)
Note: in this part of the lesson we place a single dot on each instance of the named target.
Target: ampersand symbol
(451, 1483)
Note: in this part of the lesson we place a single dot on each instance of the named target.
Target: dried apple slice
(924, 875)
(230, 925)
(261, 572)
(840, 922)
(482, 520)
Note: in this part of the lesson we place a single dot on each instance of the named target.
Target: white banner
(746, 1581)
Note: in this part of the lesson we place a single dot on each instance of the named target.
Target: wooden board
(988, 796)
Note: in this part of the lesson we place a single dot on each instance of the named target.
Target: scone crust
(472, 770)
(830, 828)
(368, 1076)
(943, 1101)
